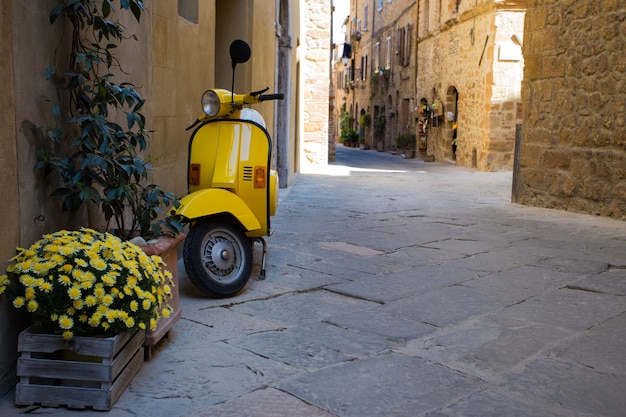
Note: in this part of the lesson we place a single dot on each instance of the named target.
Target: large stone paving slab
(612, 281)
(389, 386)
(313, 346)
(449, 305)
(569, 309)
(494, 403)
(396, 328)
(310, 307)
(402, 284)
(268, 402)
(602, 348)
(570, 388)
(526, 281)
(488, 347)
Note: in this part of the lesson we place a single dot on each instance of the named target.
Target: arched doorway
(451, 121)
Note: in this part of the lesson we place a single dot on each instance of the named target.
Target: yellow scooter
(232, 189)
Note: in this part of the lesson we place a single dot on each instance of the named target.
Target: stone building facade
(375, 72)
(469, 74)
(573, 148)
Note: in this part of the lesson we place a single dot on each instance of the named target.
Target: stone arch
(390, 133)
(451, 116)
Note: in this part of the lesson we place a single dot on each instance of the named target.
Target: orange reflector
(259, 177)
(194, 174)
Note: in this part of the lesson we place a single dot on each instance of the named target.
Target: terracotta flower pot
(165, 247)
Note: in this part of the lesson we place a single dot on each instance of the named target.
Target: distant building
(469, 74)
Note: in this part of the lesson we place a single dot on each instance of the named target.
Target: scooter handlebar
(276, 96)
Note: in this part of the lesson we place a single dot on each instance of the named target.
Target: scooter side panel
(214, 201)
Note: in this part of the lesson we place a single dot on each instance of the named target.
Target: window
(426, 17)
(403, 45)
(376, 56)
(388, 53)
(365, 18)
(380, 4)
(364, 68)
(188, 10)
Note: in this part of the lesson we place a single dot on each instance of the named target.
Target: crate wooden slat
(79, 373)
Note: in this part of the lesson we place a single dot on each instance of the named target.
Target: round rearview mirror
(239, 52)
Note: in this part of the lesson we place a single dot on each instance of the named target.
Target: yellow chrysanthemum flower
(109, 280)
(56, 259)
(145, 304)
(29, 293)
(74, 293)
(67, 335)
(153, 324)
(27, 280)
(54, 317)
(65, 280)
(32, 306)
(111, 315)
(78, 274)
(91, 300)
(78, 304)
(45, 286)
(94, 320)
(167, 289)
(81, 262)
(129, 322)
(99, 291)
(66, 268)
(19, 302)
(134, 306)
(98, 263)
(142, 326)
(65, 322)
(166, 312)
(107, 299)
(83, 318)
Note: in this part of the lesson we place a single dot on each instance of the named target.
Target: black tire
(218, 258)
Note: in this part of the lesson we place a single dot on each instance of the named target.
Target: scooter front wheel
(218, 258)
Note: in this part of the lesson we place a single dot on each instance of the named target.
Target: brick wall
(315, 75)
(573, 150)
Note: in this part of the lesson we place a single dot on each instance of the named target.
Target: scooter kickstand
(262, 273)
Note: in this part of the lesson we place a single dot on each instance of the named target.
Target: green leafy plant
(103, 163)
(379, 125)
(86, 283)
(365, 119)
(406, 141)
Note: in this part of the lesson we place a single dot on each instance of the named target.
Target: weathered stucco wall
(8, 187)
(183, 54)
(573, 150)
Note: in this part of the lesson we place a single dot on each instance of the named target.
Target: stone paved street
(400, 288)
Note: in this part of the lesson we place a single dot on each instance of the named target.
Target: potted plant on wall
(379, 130)
(406, 143)
(102, 134)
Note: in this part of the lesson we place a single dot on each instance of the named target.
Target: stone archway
(450, 125)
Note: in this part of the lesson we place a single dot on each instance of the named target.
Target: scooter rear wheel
(218, 258)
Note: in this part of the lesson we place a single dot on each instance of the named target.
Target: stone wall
(475, 50)
(573, 150)
(314, 82)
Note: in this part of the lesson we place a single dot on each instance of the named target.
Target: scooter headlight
(210, 103)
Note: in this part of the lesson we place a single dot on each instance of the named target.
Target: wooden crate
(79, 373)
